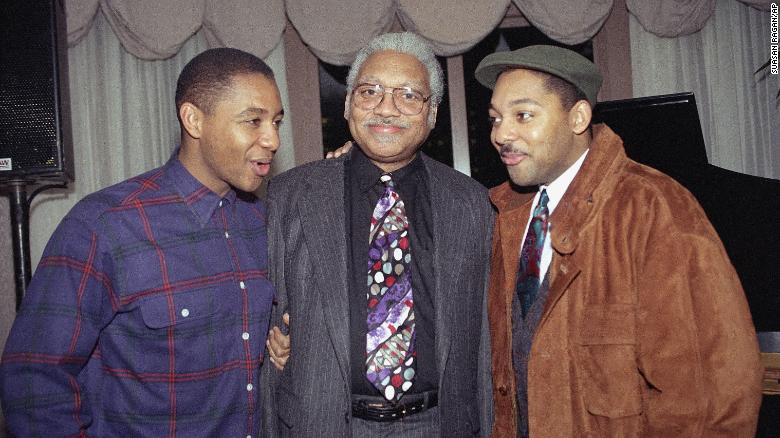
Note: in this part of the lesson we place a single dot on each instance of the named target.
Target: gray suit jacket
(308, 264)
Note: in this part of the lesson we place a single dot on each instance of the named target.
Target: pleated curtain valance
(156, 29)
(335, 29)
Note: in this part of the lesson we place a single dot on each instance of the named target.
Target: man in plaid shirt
(149, 310)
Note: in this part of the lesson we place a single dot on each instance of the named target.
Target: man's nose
(269, 139)
(386, 106)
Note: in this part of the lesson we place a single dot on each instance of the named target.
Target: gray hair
(403, 42)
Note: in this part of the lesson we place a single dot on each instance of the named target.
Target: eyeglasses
(409, 101)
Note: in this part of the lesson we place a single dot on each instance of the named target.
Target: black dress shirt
(363, 189)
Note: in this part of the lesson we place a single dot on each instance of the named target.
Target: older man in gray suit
(380, 259)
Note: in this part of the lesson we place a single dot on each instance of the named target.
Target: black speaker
(35, 134)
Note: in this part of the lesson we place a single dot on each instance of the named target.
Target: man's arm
(698, 349)
(54, 334)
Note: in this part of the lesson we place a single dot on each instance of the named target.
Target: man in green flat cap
(614, 309)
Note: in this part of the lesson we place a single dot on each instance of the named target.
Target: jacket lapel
(514, 210)
(323, 220)
(577, 206)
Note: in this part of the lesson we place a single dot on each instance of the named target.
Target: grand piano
(664, 132)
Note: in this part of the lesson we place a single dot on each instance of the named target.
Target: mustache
(387, 122)
(509, 148)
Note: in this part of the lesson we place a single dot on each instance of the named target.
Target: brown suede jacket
(646, 330)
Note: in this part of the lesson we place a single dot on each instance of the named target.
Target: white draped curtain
(740, 115)
(157, 29)
(124, 119)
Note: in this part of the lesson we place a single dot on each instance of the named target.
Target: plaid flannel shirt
(147, 316)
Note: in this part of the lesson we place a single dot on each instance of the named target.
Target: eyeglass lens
(408, 101)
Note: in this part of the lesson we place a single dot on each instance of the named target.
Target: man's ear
(580, 116)
(191, 119)
(347, 103)
(432, 116)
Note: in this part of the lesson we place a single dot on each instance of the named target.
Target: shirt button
(249, 436)
(245, 336)
(220, 203)
(185, 312)
(227, 235)
(241, 285)
(249, 387)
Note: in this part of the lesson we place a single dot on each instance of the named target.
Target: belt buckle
(392, 410)
(401, 409)
(384, 411)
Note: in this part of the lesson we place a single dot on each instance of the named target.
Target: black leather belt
(379, 409)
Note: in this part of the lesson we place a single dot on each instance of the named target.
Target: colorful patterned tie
(528, 272)
(390, 355)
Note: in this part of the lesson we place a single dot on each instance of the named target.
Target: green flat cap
(557, 61)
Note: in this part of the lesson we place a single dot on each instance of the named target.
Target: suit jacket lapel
(323, 220)
(448, 224)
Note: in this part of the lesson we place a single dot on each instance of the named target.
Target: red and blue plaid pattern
(147, 316)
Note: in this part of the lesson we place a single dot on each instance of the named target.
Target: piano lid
(664, 132)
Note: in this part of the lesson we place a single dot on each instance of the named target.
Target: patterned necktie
(390, 355)
(528, 272)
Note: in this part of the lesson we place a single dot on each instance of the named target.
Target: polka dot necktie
(528, 272)
(390, 355)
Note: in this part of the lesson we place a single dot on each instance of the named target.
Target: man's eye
(411, 96)
(278, 123)
(494, 120)
(368, 92)
(524, 116)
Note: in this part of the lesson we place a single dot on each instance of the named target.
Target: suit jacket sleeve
(276, 258)
(698, 349)
(485, 370)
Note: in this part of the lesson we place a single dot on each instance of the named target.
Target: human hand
(279, 345)
(340, 151)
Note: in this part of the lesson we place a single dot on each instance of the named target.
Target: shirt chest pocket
(607, 356)
(180, 309)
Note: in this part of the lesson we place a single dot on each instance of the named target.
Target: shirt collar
(366, 174)
(201, 201)
(558, 187)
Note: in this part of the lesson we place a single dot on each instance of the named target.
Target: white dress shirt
(555, 192)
